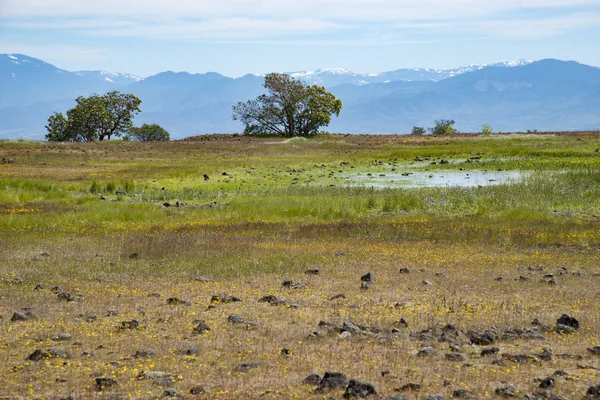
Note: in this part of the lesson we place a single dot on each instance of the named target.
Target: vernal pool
(434, 179)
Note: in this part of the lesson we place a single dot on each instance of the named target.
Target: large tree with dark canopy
(290, 108)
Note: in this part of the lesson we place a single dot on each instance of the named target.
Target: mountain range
(511, 96)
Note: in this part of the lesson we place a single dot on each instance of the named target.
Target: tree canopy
(148, 133)
(95, 118)
(290, 108)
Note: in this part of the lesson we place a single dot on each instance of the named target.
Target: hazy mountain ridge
(543, 95)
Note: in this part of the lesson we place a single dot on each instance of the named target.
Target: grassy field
(95, 236)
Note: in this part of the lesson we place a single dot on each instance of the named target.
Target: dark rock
(174, 301)
(462, 394)
(364, 286)
(559, 373)
(411, 386)
(200, 328)
(312, 379)
(489, 351)
(369, 277)
(38, 287)
(293, 285)
(190, 351)
(245, 367)
(404, 271)
(88, 317)
(506, 391)
(22, 316)
(62, 337)
(568, 321)
(426, 352)
(482, 339)
(455, 357)
(547, 383)
(66, 296)
(112, 312)
(129, 324)
(594, 350)
(332, 380)
(144, 354)
(519, 358)
(337, 296)
(104, 383)
(167, 204)
(359, 390)
(272, 300)
(206, 177)
(593, 392)
(171, 392)
(395, 397)
(236, 319)
(312, 272)
(196, 390)
(220, 298)
(351, 327)
(545, 355)
(560, 328)
(434, 397)
(37, 355)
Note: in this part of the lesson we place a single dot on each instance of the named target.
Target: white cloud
(276, 19)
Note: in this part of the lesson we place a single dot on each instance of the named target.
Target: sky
(235, 37)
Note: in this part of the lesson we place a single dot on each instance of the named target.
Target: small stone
(312, 379)
(427, 283)
(426, 352)
(411, 386)
(174, 301)
(66, 296)
(112, 312)
(364, 286)
(593, 392)
(105, 383)
(62, 337)
(506, 391)
(482, 339)
(21, 316)
(196, 390)
(245, 367)
(345, 335)
(434, 397)
(144, 354)
(333, 380)
(359, 390)
(224, 299)
(489, 351)
(462, 394)
(568, 321)
(455, 357)
(337, 296)
(312, 272)
(594, 350)
(129, 324)
(171, 392)
(547, 383)
(201, 328)
(203, 279)
(369, 277)
(293, 285)
(404, 271)
(565, 329)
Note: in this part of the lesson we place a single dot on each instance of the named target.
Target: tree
(290, 108)
(418, 130)
(443, 127)
(486, 129)
(95, 118)
(148, 133)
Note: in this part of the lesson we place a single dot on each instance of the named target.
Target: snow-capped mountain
(330, 77)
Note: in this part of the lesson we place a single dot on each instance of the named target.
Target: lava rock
(359, 390)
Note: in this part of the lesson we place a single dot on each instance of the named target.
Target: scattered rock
(565, 329)
(22, 316)
(332, 380)
(196, 390)
(567, 321)
(38, 354)
(206, 177)
(434, 397)
(88, 317)
(427, 283)
(201, 328)
(66, 296)
(594, 350)
(293, 285)
(203, 279)
(221, 298)
(404, 271)
(174, 301)
(112, 312)
(369, 277)
(312, 379)
(105, 383)
(359, 390)
(462, 394)
(411, 386)
(593, 392)
(133, 324)
(506, 391)
(547, 383)
(455, 357)
(238, 320)
(171, 392)
(144, 354)
(482, 338)
(245, 367)
(273, 300)
(345, 335)
(62, 337)
(489, 351)
(364, 286)
(426, 352)
(337, 296)
(312, 272)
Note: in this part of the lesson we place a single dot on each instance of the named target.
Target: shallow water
(435, 179)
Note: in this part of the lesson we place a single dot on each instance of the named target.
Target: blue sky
(235, 37)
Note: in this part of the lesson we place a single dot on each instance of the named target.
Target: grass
(269, 211)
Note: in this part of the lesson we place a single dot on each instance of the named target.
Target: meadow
(234, 267)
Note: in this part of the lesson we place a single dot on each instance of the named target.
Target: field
(228, 267)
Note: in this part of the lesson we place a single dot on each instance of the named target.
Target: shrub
(149, 133)
(443, 127)
(486, 129)
(418, 130)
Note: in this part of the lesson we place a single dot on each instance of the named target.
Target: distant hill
(510, 96)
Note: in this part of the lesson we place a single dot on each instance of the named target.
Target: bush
(443, 127)
(418, 130)
(148, 133)
(486, 129)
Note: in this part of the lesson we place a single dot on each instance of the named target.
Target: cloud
(245, 20)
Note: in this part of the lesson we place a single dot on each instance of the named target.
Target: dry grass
(463, 255)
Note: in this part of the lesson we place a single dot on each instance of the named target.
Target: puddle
(435, 179)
